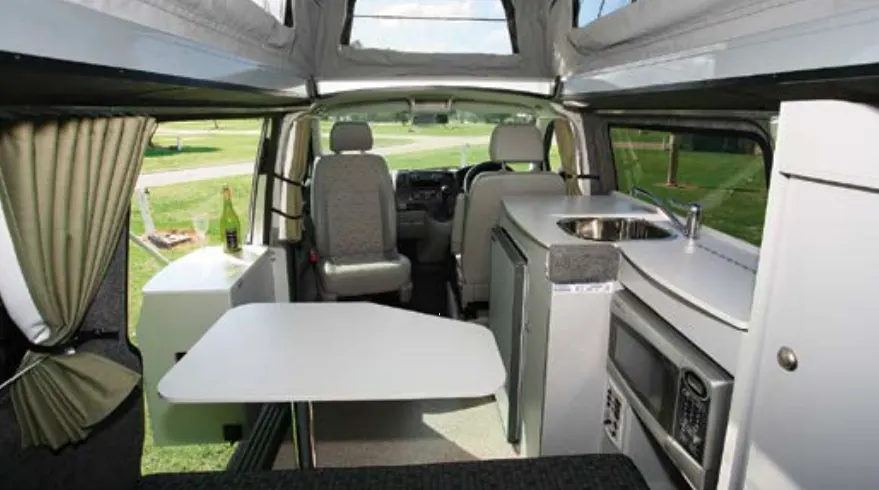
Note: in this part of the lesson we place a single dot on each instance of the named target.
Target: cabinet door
(507, 322)
(816, 427)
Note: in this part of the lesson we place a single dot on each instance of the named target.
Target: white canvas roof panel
(243, 41)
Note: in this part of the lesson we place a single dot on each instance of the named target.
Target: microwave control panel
(613, 415)
(692, 415)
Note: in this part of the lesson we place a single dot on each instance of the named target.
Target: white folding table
(309, 352)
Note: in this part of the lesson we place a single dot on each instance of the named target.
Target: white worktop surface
(205, 269)
(297, 352)
(698, 274)
(715, 274)
(537, 215)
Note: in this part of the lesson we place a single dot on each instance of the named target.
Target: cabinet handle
(787, 358)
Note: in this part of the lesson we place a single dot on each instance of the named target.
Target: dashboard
(432, 191)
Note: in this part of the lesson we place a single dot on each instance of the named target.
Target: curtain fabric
(65, 189)
(299, 164)
(567, 145)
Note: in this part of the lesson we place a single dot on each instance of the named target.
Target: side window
(726, 174)
(176, 208)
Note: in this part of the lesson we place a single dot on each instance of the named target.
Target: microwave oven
(680, 395)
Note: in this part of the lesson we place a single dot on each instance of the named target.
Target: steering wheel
(470, 173)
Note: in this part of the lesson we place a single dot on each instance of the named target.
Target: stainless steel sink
(612, 229)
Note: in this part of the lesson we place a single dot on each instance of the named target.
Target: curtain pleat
(567, 145)
(298, 166)
(64, 189)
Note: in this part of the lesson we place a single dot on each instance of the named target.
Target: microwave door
(509, 290)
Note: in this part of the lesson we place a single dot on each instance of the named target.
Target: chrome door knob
(787, 358)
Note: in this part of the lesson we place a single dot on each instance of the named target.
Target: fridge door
(506, 319)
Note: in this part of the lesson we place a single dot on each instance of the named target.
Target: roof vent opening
(432, 26)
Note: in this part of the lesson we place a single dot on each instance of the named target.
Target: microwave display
(653, 378)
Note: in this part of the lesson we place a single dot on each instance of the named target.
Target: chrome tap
(693, 209)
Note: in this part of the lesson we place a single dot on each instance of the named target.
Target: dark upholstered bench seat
(589, 472)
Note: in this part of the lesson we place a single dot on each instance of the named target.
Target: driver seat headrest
(516, 143)
(350, 136)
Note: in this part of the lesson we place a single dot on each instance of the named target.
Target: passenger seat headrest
(516, 143)
(350, 136)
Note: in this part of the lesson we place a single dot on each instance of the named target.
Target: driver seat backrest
(516, 143)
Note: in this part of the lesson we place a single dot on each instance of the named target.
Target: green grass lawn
(222, 124)
(638, 135)
(171, 208)
(199, 151)
(378, 142)
(451, 129)
(731, 187)
(451, 157)
(446, 157)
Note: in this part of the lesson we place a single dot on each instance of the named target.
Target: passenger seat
(355, 219)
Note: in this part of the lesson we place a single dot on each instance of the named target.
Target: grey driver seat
(355, 219)
(480, 210)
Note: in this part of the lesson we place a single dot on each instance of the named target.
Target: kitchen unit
(570, 397)
(566, 284)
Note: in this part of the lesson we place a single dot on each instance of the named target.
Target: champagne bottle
(230, 226)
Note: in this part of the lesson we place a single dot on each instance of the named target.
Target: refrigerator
(507, 319)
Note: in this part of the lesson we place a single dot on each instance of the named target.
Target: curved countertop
(699, 273)
(714, 273)
(537, 215)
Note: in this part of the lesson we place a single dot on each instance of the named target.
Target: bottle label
(232, 240)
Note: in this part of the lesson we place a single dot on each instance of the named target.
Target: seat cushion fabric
(354, 214)
(482, 213)
(369, 274)
(589, 472)
(353, 206)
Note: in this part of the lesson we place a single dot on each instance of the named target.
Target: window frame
(509, 11)
(575, 18)
(548, 135)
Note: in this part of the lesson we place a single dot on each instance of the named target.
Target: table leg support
(304, 419)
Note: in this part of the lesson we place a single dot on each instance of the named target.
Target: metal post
(303, 419)
(149, 248)
(674, 150)
(144, 204)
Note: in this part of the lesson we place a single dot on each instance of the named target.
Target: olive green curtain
(65, 189)
(300, 137)
(567, 145)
